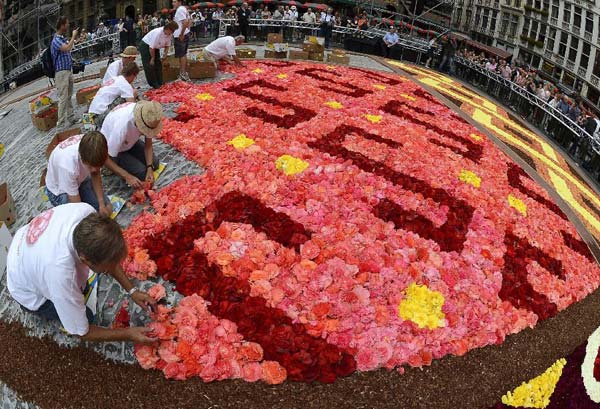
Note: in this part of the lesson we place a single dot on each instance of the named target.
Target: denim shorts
(181, 47)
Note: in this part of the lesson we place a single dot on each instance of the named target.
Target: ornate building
(558, 37)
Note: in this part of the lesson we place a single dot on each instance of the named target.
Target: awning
(498, 52)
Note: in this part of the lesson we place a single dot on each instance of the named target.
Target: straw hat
(129, 51)
(148, 117)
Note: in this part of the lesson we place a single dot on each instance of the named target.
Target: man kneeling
(223, 48)
(49, 261)
(74, 172)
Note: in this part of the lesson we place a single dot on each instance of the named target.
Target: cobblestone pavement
(21, 167)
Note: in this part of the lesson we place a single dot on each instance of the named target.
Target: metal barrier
(97, 47)
(580, 145)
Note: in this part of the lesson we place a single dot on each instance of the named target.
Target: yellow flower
(257, 71)
(331, 67)
(334, 104)
(423, 307)
(536, 393)
(517, 204)
(409, 97)
(281, 76)
(476, 137)
(290, 165)
(379, 86)
(204, 97)
(469, 177)
(241, 142)
(374, 118)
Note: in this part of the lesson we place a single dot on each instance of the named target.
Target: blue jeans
(48, 311)
(86, 192)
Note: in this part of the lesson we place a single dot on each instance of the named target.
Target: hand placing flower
(144, 300)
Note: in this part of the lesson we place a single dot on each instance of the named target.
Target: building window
(562, 48)
(514, 23)
(518, 4)
(534, 29)
(542, 34)
(585, 55)
(589, 22)
(551, 37)
(573, 49)
(567, 13)
(526, 25)
(504, 24)
(577, 17)
(593, 95)
(494, 19)
(555, 6)
(486, 16)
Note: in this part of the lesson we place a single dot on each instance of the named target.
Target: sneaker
(184, 77)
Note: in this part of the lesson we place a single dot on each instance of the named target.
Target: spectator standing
(389, 40)
(150, 51)
(130, 31)
(122, 34)
(327, 22)
(309, 17)
(182, 37)
(243, 17)
(430, 52)
(217, 15)
(60, 50)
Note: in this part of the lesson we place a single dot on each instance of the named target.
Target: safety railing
(573, 138)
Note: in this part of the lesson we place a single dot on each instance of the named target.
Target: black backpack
(48, 62)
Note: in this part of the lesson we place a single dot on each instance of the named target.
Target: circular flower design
(346, 220)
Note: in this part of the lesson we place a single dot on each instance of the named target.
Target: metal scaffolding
(27, 29)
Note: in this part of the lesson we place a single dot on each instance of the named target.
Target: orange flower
(273, 373)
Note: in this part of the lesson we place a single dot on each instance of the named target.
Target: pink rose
(157, 292)
(188, 334)
(175, 370)
(251, 372)
(146, 356)
(167, 352)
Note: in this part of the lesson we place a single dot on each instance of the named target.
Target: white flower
(592, 386)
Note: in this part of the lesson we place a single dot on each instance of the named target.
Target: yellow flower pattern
(290, 165)
(517, 204)
(469, 177)
(423, 307)
(241, 142)
(536, 393)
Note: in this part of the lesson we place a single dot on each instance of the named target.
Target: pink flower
(175, 370)
(146, 356)
(272, 372)
(252, 372)
(167, 352)
(157, 292)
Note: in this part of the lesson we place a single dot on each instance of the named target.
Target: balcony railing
(595, 80)
(581, 71)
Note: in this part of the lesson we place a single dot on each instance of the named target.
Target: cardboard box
(338, 59)
(46, 119)
(316, 56)
(8, 210)
(313, 48)
(273, 38)
(278, 47)
(201, 69)
(171, 61)
(5, 240)
(245, 53)
(275, 54)
(170, 73)
(298, 55)
(102, 72)
(87, 94)
(338, 51)
(59, 137)
(315, 40)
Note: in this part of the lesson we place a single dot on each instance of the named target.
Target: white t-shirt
(42, 265)
(181, 14)
(66, 172)
(114, 88)
(157, 38)
(222, 47)
(120, 130)
(113, 70)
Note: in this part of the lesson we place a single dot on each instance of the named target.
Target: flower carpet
(346, 221)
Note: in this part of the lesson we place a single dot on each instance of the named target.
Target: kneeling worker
(116, 68)
(48, 265)
(223, 48)
(74, 172)
(129, 157)
(114, 92)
